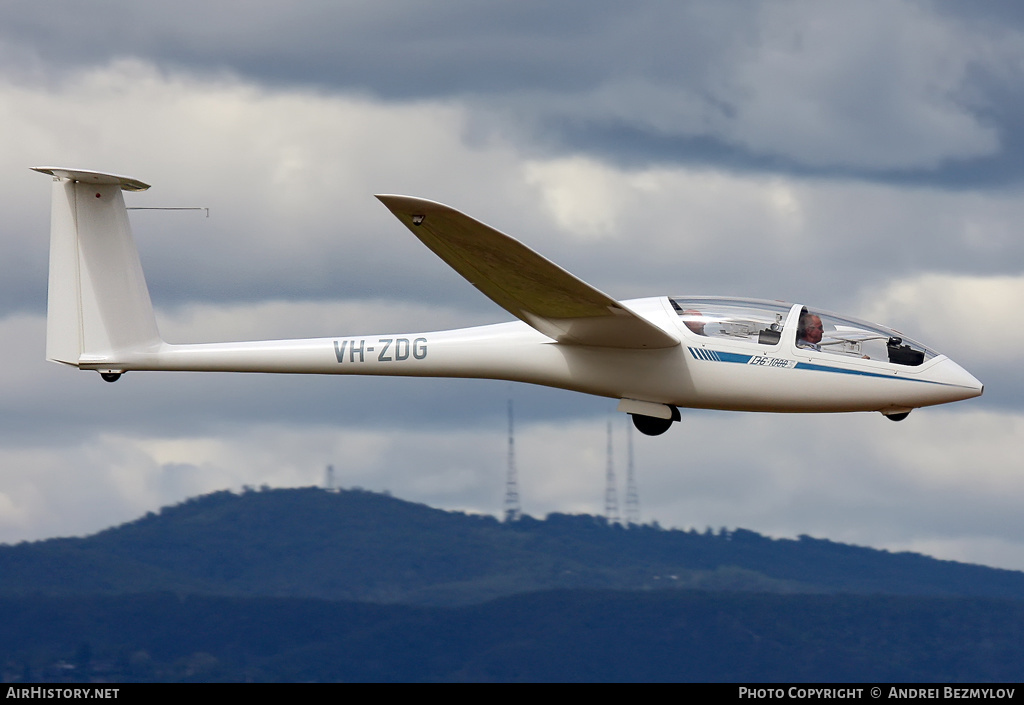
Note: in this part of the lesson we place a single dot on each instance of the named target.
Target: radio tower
(632, 498)
(512, 510)
(611, 497)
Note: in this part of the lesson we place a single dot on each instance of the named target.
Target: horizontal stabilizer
(93, 177)
(527, 285)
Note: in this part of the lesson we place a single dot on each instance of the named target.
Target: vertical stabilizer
(98, 305)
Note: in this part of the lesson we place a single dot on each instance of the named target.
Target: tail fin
(99, 305)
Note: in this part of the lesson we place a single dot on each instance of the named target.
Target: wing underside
(527, 285)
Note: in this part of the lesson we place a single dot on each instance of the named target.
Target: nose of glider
(959, 383)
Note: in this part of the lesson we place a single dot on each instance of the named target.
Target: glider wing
(527, 285)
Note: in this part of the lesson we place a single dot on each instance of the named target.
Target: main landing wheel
(652, 425)
(897, 417)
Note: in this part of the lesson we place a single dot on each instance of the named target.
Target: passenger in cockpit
(692, 318)
(809, 331)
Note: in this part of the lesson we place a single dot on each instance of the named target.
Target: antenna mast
(512, 510)
(632, 496)
(611, 497)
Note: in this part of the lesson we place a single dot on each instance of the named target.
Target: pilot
(693, 319)
(809, 331)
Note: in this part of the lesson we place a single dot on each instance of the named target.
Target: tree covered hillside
(364, 546)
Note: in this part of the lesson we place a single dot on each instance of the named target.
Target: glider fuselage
(700, 372)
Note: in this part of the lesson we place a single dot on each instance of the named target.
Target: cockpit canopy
(746, 320)
(762, 323)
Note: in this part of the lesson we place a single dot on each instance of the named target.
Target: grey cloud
(885, 91)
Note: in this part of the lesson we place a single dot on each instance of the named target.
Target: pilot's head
(693, 319)
(811, 329)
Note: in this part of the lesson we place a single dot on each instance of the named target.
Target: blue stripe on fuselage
(720, 356)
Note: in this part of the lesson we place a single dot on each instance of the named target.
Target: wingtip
(411, 206)
(399, 198)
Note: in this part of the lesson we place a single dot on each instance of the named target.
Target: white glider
(653, 354)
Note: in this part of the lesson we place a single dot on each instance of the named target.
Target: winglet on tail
(98, 306)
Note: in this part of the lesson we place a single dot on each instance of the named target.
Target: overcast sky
(866, 158)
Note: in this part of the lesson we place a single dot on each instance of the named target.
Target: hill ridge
(371, 547)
